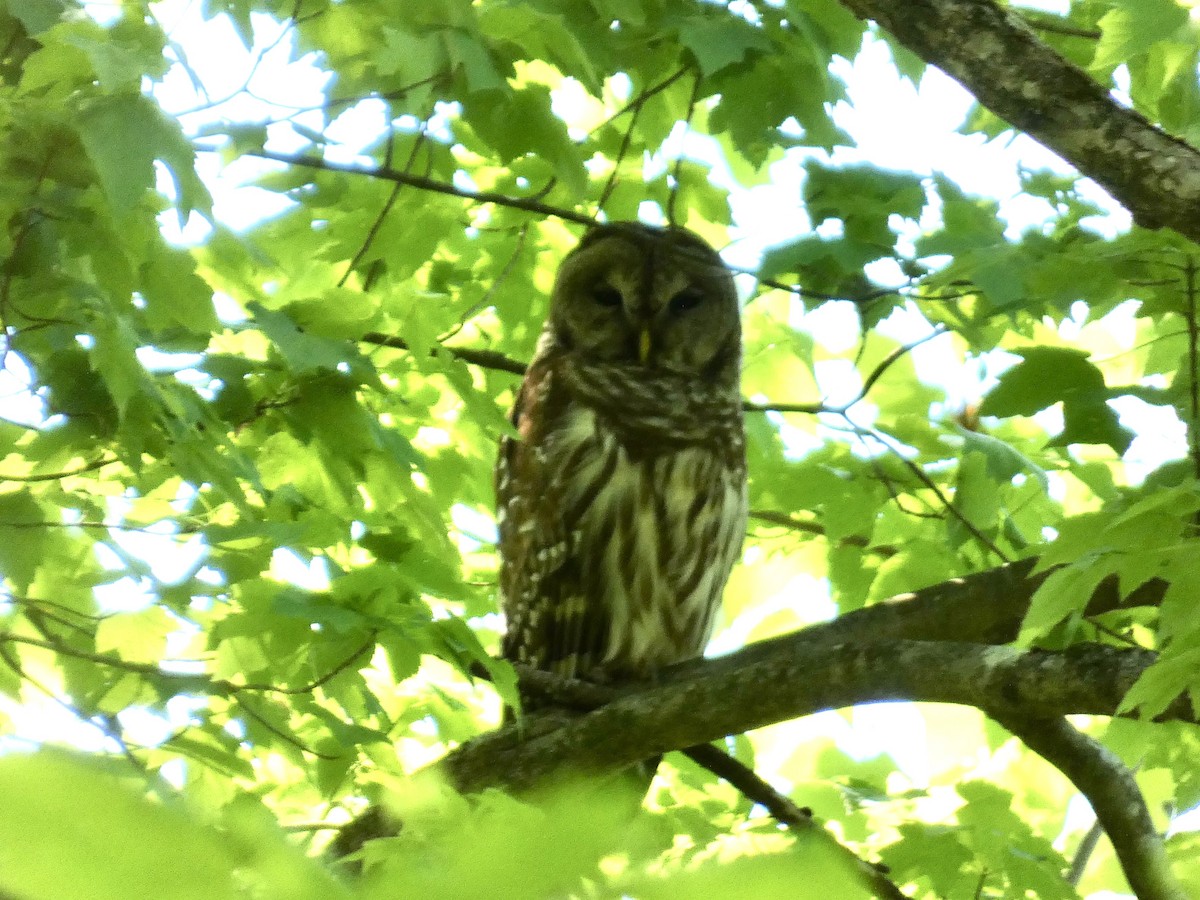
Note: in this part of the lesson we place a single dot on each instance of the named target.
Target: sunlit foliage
(245, 459)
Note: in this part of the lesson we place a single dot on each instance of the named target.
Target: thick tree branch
(983, 607)
(1114, 795)
(747, 690)
(826, 665)
(995, 55)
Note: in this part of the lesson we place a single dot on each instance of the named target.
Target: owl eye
(688, 298)
(603, 295)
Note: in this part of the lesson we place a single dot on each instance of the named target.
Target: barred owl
(622, 504)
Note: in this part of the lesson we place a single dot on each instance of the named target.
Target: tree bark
(1114, 795)
(992, 52)
(745, 690)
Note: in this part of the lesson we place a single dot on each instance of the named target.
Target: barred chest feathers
(658, 537)
(621, 506)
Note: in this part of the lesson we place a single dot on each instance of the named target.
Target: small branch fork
(1026, 691)
(1110, 788)
(752, 786)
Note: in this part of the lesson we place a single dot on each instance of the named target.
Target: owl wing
(554, 622)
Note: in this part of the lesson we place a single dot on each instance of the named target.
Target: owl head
(660, 298)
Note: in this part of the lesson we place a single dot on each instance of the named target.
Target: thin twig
(945, 501)
(486, 300)
(635, 105)
(784, 810)
(891, 359)
(1193, 333)
(1083, 854)
(103, 727)
(428, 184)
(979, 885)
(487, 359)
(626, 139)
(751, 785)
(809, 408)
(218, 686)
(388, 204)
(787, 521)
(677, 170)
(183, 530)
(280, 733)
(55, 476)
(784, 520)
(1054, 26)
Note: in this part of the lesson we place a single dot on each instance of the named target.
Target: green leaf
(75, 830)
(1004, 461)
(37, 15)
(1064, 593)
(1172, 674)
(124, 135)
(22, 543)
(1132, 27)
(976, 494)
(303, 352)
(466, 52)
(720, 42)
(114, 359)
(175, 295)
(138, 636)
(1045, 376)
(1049, 375)
(520, 122)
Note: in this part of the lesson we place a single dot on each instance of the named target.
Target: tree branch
(1059, 26)
(55, 476)
(831, 664)
(706, 700)
(787, 812)
(427, 184)
(783, 520)
(492, 359)
(1114, 795)
(982, 607)
(184, 681)
(487, 359)
(751, 785)
(1083, 853)
(996, 56)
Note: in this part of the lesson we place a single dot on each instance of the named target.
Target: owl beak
(644, 345)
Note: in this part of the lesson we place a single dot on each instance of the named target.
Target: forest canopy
(270, 273)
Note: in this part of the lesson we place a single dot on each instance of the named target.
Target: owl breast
(657, 537)
(622, 510)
